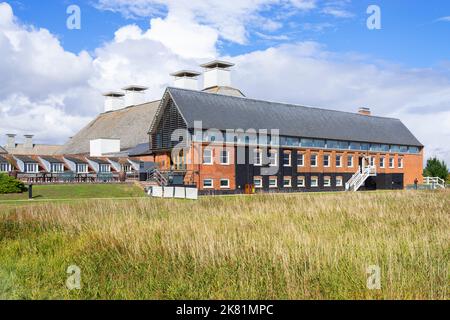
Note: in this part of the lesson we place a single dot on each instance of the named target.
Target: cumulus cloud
(54, 102)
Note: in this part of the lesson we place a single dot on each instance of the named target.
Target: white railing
(435, 182)
(360, 177)
(158, 177)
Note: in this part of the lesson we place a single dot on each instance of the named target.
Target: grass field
(77, 191)
(261, 247)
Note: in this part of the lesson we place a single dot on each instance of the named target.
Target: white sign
(180, 193)
(157, 192)
(168, 192)
(192, 193)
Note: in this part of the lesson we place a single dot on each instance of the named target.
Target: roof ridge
(291, 105)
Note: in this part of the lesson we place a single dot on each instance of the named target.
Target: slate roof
(38, 149)
(227, 112)
(99, 161)
(52, 160)
(130, 125)
(139, 150)
(76, 160)
(26, 159)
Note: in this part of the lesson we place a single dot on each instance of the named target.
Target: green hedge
(11, 185)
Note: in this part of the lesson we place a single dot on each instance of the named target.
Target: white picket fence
(174, 192)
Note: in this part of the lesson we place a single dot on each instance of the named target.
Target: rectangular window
(327, 182)
(5, 167)
(382, 162)
(314, 160)
(287, 182)
(273, 158)
(391, 162)
(355, 146)
(326, 160)
(413, 150)
(82, 168)
(314, 182)
(273, 183)
(372, 161)
(400, 163)
(126, 168)
(57, 168)
(224, 184)
(208, 183)
(339, 182)
(207, 157)
(350, 161)
(257, 158)
(286, 159)
(300, 160)
(31, 168)
(338, 161)
(301, 182)
(224, 157)
(105, 168)
(258, 182)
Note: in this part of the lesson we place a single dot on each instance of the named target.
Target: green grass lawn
(77, 191)
(303, 246)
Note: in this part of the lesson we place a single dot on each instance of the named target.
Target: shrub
(11, 185)
(436, 168)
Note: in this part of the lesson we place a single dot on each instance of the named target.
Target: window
(314, 160)
(258, 183)
(105, 168)
(300, 160)
(403, 149)
(286, 159)
(57, 168)
(273, 182)
(287, 182)
(327, 182)
(338, 161)
(355, 146)
(400, 163)
(382, 162)
(391, 162)
(258, 158)
(395, 148)
(5, 167)
(339, 182)
(224, 157)
(314, 182)
(372, 161)
(326, 160)
(82, 168)
(224, 184)
(301, 182)
(126, 168)
(273, 158)
(207, 157)
(208, 184)
(350, 161)
(413, 150)
(31, 168)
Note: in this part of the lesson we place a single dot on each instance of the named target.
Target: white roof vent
(217, 74)
(134, 95)
(113, 101)
(186, 79)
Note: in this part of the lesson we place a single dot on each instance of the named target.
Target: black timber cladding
(169, 120)
(227, 112)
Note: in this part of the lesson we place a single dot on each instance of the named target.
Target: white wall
(217, 78)
(186, 83)
(99, 147)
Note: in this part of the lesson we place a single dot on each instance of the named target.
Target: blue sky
(310, 52)
(411, 32)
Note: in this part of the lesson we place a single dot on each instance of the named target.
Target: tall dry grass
(262, 247)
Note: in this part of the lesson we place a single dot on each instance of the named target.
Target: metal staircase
(434, 182)
(156, 176)
(360, 177)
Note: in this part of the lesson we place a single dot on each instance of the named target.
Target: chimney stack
(134, 95)
(113, 101)
(186, 79)
(11, 141)
(217, 74)
(365, 111)
(28, 141)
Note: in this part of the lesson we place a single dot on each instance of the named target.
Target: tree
(11, 185)
(436, 168)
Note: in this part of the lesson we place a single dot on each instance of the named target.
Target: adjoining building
(28, 147)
